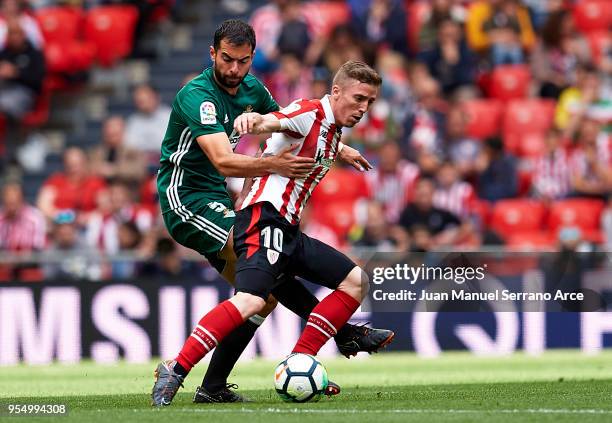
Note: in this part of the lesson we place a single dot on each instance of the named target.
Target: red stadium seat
(65, 52)
(40, 114)
(525, 178)
(483, 117)
(583, 213)
(323, 16)
(338, 215)
(599, 42)
(526, 121)
(592, 15)
(511, 217)
(532, 240)
(418, 12)
(111, 29)
(509, 82)
(60, 24)
(340, 185)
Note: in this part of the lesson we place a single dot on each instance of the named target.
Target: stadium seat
(599, 42)
(65, 51)
(592, 15)
(323, 16)
(338, 215)
(111, 29)
(583, 213)
(509, 82)
(525, 178)
(340, 185)
(60, 24)
(526, 122)
(483, 117)
(40, 114)
(515, 216)
(418, 12)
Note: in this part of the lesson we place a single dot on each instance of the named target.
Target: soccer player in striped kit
(197, 155)
(267, 237)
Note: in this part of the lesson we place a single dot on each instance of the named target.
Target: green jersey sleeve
(267, 103)
(200, 111)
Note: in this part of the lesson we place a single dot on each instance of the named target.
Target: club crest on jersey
(272, 256)
(322, 160)
(208, 113)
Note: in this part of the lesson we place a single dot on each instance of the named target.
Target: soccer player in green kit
(197, 156)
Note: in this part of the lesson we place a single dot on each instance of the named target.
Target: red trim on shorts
(253, 232)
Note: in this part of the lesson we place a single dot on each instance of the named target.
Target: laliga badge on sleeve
(208, 113)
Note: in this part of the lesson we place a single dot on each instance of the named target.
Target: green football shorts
(203, 226)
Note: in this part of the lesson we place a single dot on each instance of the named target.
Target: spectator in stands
(452, 194)
(384, 25)
(606, 224)
(16, 10)
(294, 36)
(167, 262)
(575, 101)
(450, 61)
(343, 45)
(112, 160)
(22, 70)
(74, 188)
(106, 228)
(425, 128)
(22, 227)
(557, 54)
(461, 150)
(69, 257)
(145, 129)
(501, 28)
(591, 162)
(292, 80)
(441, 10)
(445, 228)
(391, 182)
(497, 172)
(377, 233)
(552, 172)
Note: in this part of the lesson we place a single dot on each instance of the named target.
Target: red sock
(211, 329)
(331, 313)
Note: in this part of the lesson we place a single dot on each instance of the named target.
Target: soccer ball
(300, 378)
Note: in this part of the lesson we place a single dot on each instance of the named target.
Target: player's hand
(248, 123)
(353, 157)
(287, 164)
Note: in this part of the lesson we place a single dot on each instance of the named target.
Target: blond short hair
(359, 71)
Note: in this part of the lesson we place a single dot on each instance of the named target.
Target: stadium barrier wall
(68, 321)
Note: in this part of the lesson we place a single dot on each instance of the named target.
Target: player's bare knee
(248, 304)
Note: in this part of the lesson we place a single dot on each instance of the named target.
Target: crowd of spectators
(452, 150)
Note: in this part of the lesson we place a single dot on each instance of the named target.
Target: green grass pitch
(561, 386)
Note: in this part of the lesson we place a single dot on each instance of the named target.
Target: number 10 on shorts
(275, 235)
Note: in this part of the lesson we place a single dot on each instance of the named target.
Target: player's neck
(230, 91)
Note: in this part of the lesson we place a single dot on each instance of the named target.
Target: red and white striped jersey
(552, 174)
(311, 125)
(393, 190)
(24, 232)
(456, 199)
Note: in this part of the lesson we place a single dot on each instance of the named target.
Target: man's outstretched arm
(219, 150)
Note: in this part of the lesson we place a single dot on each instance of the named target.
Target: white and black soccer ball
(300, 378)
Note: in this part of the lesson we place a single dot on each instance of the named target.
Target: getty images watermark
(488, 282)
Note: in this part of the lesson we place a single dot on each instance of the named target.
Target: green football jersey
(202, 107)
